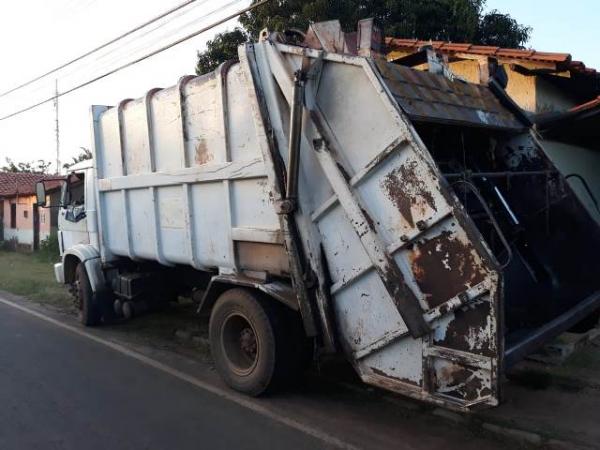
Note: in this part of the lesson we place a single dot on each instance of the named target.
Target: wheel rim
(240, 344)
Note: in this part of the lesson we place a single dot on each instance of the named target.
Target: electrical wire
(106, 44)
(156, 40)
(125, 50)
(140, 59)
(71, 70)
(123, 47)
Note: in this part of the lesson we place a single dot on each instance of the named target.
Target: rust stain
(458, 381)
(408, 192)
(203, 155)
(444, 267)
(381, 373)
(369, 219)
(468, 331)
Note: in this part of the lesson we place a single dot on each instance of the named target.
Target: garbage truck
(314, 198)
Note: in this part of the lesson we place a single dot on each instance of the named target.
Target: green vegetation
(446, 20)
(222, 48)
(175, 328)
(32, 277)
(40, 166)
(84, 155)
(49, 251)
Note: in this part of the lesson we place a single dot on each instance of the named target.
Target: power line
(142, 58)
(120, 49)
(126, 49)
(112, 41)
(123, 46)
(132, 50)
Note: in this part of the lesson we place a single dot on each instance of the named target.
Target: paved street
(63, 386)
(59, 390)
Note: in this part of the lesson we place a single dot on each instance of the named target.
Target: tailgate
(415, 293)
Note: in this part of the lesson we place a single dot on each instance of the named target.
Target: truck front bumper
(59, 273)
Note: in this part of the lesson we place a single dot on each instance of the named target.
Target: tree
(445, 20)
(84, 155)
(40, 166)
(280, 15)
(222, 48)
(502, 30)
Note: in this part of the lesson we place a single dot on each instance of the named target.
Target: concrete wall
(522, 89)
(467, 69)
(23, 231)
(583, 161)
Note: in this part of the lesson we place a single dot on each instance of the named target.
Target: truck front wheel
(249, 341)
(89, 313)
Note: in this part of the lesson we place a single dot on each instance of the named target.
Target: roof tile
(412, 45)
(21, 183)
(587, 105)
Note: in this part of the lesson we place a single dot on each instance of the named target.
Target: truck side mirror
(65, 194)
(40, 193)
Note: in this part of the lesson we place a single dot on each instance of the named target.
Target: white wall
(24, 237)
(583, 161)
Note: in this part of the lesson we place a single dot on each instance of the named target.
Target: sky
(559, 26)
(39, 35)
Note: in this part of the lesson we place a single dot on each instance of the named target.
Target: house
(559, 95)
(538, 82)
(22, 222)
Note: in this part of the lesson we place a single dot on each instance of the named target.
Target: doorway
(36, 228)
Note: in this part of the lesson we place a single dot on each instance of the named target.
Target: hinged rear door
(414, 291)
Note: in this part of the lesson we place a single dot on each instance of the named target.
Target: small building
(539, 82)
(22, 223)
(559, 95)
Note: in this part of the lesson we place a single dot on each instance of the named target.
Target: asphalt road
(59, 390)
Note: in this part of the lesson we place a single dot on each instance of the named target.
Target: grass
(49, 250)
(32, 276)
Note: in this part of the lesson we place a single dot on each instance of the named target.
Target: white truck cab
(77, 225)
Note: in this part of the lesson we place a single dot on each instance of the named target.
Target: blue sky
(559, 25)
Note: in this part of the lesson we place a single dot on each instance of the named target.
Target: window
(25, 214)
(13, 215)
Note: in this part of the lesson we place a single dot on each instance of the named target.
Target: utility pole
(57, 128)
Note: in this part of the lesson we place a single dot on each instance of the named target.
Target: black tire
(251, 345)
(89, 311)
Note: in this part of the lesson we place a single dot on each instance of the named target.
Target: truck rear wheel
(89, 312)
(249, 342)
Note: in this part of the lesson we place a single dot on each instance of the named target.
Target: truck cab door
(72, 219)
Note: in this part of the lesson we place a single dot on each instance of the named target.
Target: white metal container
(192, 175)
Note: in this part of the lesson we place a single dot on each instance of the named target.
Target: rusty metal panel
(261, 257)
(329, 36)
(430, 97)
(444, 265)
(398, 247)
